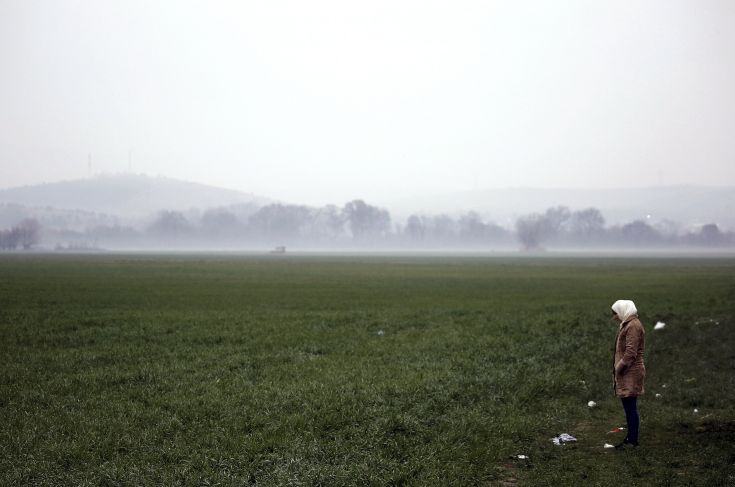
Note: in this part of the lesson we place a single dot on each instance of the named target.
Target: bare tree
(530, 230)
(711, 235)
(327, 223)
(170, 224)
(587, 225)
(639, 232)
(443, 229)
(366, 221)
(9, 239)
(555, 221)
(471, 228)
(281, 221)
(533, 229)
(415, 228)
(29, 233)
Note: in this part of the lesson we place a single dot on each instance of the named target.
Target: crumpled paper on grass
(563, 438)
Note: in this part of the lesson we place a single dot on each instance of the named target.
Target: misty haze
(339, 243)
(258, 124)
(135, 212)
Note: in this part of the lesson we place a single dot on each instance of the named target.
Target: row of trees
(559, 226)
(360, 224)
(25, 234)
(356, 223)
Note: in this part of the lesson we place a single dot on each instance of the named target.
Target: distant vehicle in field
(279, 250)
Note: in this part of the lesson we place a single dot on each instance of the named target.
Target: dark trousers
(631, 416)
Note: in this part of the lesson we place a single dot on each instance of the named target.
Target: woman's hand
(619, 367)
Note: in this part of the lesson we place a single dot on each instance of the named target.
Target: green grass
(226, 370)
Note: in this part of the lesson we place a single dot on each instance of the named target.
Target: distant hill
(689, 205)
(126, 195)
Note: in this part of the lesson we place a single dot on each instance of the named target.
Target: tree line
(561, 227)
(360, 224)
(25, 235)
(357, 223)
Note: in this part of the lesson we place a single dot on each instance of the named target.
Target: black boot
(627, 442)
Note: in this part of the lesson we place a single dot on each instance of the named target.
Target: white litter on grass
(659, 326)
(522, 457)
(608, 445)
(696, 410)
(381, 333)
(708, 320)
(658, 395)
(592, 404)
(664, 386)
(563, 438)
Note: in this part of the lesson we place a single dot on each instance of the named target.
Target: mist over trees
(366, 223)
(357, 224)
(25, 235)
(559, 227)
(137, 212)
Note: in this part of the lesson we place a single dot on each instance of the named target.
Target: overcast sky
(324, 101)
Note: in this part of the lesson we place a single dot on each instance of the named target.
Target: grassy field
(227, 370)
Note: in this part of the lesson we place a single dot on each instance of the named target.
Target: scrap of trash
(563, 438)
(617, 429)
(706, 321)
(659, 325)
(591, 404)
(608, 445)
(522, 457)
(658, 396)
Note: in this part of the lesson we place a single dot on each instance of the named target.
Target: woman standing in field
(629, 372)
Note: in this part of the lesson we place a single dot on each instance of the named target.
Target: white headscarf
(625, 309)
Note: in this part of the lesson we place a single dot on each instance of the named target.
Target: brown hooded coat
(628, 381)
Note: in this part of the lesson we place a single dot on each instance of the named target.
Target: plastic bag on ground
(563, 438)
